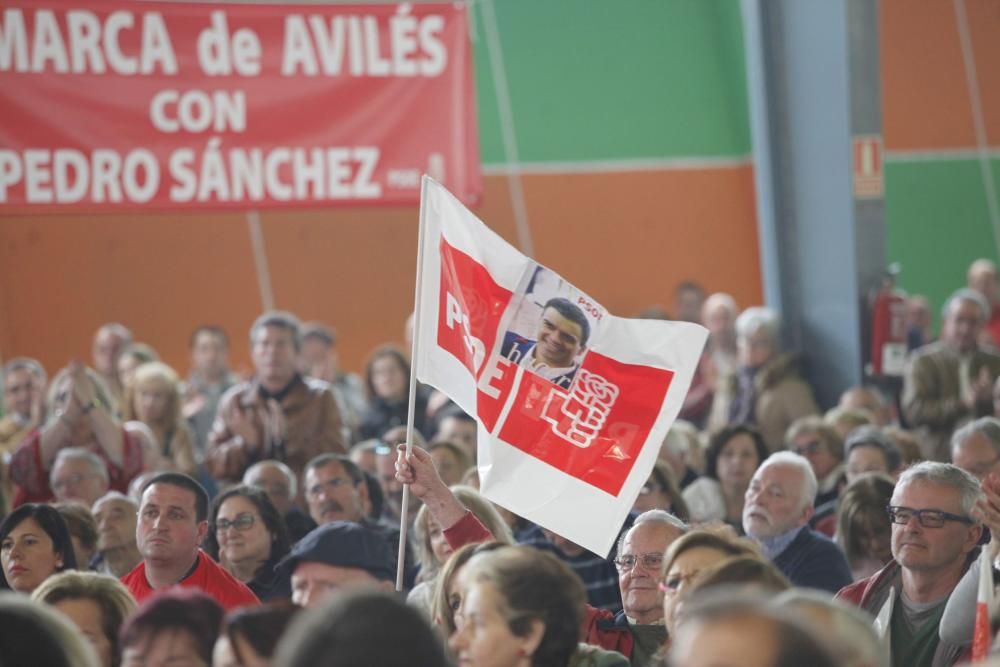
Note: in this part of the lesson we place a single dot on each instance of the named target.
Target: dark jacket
(814, 561)
(381, 415)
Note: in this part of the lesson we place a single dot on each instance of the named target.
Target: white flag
(572, 402)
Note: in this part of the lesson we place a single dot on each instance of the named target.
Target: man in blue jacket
(776, 513)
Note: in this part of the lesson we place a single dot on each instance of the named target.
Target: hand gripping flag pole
(411, 409)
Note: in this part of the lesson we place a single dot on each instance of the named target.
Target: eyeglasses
(650, 561)
(241, 523)
(329, 485)
(69, 481)
(672, 583)
(809, 448)
(927, 518)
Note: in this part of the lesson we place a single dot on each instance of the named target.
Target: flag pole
(411, 409)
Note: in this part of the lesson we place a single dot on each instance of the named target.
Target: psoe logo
(578, 416)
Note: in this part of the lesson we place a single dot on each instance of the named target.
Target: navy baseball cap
(342, 544)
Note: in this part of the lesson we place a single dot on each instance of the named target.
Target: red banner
(157, 105)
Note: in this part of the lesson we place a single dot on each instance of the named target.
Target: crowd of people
(248, 521)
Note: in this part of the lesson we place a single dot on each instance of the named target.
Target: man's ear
(528, 644)
(202, 531)
(973, 538)
(808, 512)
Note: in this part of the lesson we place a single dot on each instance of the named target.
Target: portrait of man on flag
(549, 331)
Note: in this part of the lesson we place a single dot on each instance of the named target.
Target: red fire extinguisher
(888, 311)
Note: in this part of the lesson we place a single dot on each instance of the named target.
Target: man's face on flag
(559, 339)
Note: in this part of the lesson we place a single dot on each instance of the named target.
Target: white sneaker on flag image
(572, 401)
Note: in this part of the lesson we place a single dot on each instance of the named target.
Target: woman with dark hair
(34, 544)
(82, 529)
(387, 378)
(250, 635)
(181, 623)
(732, 457)
(247, 536)
(863, 528)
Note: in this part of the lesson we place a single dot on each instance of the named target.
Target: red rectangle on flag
(594, 430)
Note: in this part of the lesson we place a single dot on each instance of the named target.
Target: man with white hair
(776, 514)
(951, 381)
(718, 314)
(766, 390)
(975, 448)
(78, 475)
(935, 536)
(638, 631)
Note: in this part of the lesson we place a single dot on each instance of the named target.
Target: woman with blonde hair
(153, 397)
(689, 555)
(97, 604)
(433, 550)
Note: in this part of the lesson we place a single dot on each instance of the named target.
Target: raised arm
(459, 525)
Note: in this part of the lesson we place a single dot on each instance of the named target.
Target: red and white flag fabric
(572, 401)
(982, 636)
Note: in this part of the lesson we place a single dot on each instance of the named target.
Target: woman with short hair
(247, 536)
(97, 604)
(688, 556)
(520, 608)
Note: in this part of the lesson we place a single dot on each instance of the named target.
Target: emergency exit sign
(868, 172)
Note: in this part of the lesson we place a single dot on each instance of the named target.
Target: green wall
(596, 80)
(937, 222)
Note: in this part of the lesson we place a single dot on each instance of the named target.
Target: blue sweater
(814, 561)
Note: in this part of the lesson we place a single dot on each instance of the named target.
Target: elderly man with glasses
(935, 536)
(637, 632)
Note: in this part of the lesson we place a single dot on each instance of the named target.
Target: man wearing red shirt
(173, 520)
